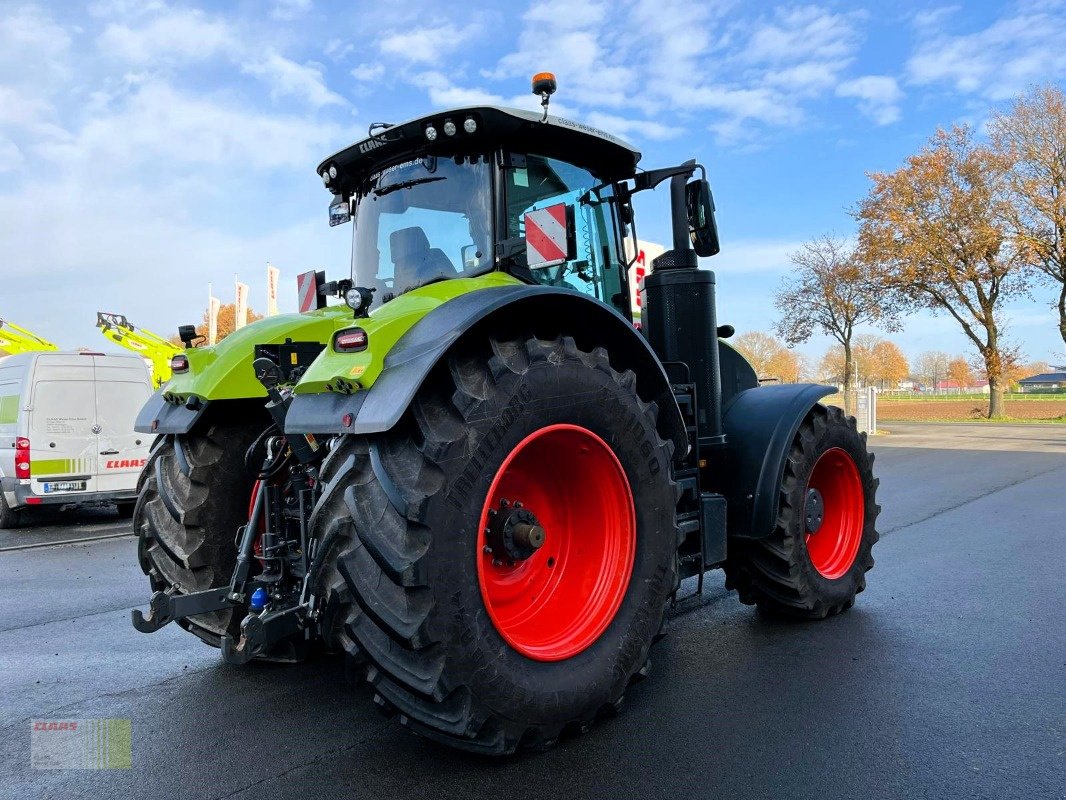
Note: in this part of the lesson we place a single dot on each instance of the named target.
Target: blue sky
(147, 148)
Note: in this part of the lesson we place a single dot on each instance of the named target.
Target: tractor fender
(511, 310)
(159, 416)
(760, 425)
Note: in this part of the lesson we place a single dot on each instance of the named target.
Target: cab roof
(605, 156)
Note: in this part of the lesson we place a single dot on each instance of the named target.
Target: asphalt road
(947, 680)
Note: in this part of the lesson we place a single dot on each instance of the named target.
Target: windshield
(423, 221)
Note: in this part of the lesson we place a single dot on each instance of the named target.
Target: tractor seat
(414, 261)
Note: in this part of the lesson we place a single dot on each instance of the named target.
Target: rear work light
(179, 364)
(22, 457)
(350, 341)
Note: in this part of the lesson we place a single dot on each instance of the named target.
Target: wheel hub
(813, 510)
(553, 580)
(514, 533)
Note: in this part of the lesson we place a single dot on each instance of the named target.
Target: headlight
(353, 298)
(449, 128)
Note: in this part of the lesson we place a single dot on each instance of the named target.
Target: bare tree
(829, 292)
(934, 235)
(1031, 139)
(931, 367)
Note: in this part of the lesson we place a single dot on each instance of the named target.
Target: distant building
(1045, 382)
(974, 387)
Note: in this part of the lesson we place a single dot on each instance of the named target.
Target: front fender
(497, 310)
(760, 425)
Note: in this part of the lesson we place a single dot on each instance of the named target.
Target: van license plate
(63, 486)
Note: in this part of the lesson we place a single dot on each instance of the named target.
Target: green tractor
(476, 477)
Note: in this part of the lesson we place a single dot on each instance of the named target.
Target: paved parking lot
(947, 680)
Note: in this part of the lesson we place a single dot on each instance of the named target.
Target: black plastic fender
(159, 416)
(504, 311)
(760, 425)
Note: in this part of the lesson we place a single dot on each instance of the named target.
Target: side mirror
(550, 236)
(702, 227)
(339, 210)
(471, 256)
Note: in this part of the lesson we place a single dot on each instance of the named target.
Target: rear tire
(10, 518)
(811, 575)
(193, 496)
(405, 509)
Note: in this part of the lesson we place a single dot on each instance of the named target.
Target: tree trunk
(1062, 312)
(995, 397)
(849, 369)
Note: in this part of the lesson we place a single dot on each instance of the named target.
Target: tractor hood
(224, 371)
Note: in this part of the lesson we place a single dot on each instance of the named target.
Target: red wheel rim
(556, 603)
(833, 546)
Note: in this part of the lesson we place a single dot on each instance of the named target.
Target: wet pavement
(947, 679)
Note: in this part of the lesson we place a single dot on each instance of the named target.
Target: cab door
(122, 387)
(536, 183)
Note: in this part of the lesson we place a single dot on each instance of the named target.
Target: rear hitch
(260, 632)
(165, 608)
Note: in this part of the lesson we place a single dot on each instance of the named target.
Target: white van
(66, 430)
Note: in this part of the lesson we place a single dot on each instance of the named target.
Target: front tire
(816, 559)
(474, 640)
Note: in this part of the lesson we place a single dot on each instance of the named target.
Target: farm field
(953, 409)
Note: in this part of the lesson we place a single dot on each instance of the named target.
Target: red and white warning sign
(646, 252)
(307, 290)
(547, 242)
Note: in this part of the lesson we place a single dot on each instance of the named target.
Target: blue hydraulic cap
(259, 599)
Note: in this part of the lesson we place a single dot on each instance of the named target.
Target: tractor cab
(471, 190)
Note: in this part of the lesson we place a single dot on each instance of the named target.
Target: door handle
(109, 452)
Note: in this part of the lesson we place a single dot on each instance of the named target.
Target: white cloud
(287, 78)
(443, 93)
(629, 126)
(878, 97)
(806, 32)
(161, 128)
(288, 10)
(669, 59)
(10, 155)
(429, 44)
(171, 35)
(999, 61)
(338, 49)
(29, 37)
(365, 73)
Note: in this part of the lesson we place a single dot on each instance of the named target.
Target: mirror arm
(652, 178)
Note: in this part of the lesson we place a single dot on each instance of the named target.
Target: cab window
(544, 182)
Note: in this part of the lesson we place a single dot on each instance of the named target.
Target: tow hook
(165, 608)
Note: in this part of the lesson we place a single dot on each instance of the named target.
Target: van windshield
(423, 221)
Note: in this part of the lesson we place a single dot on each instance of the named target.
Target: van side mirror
(703, 230)
(551, 238)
